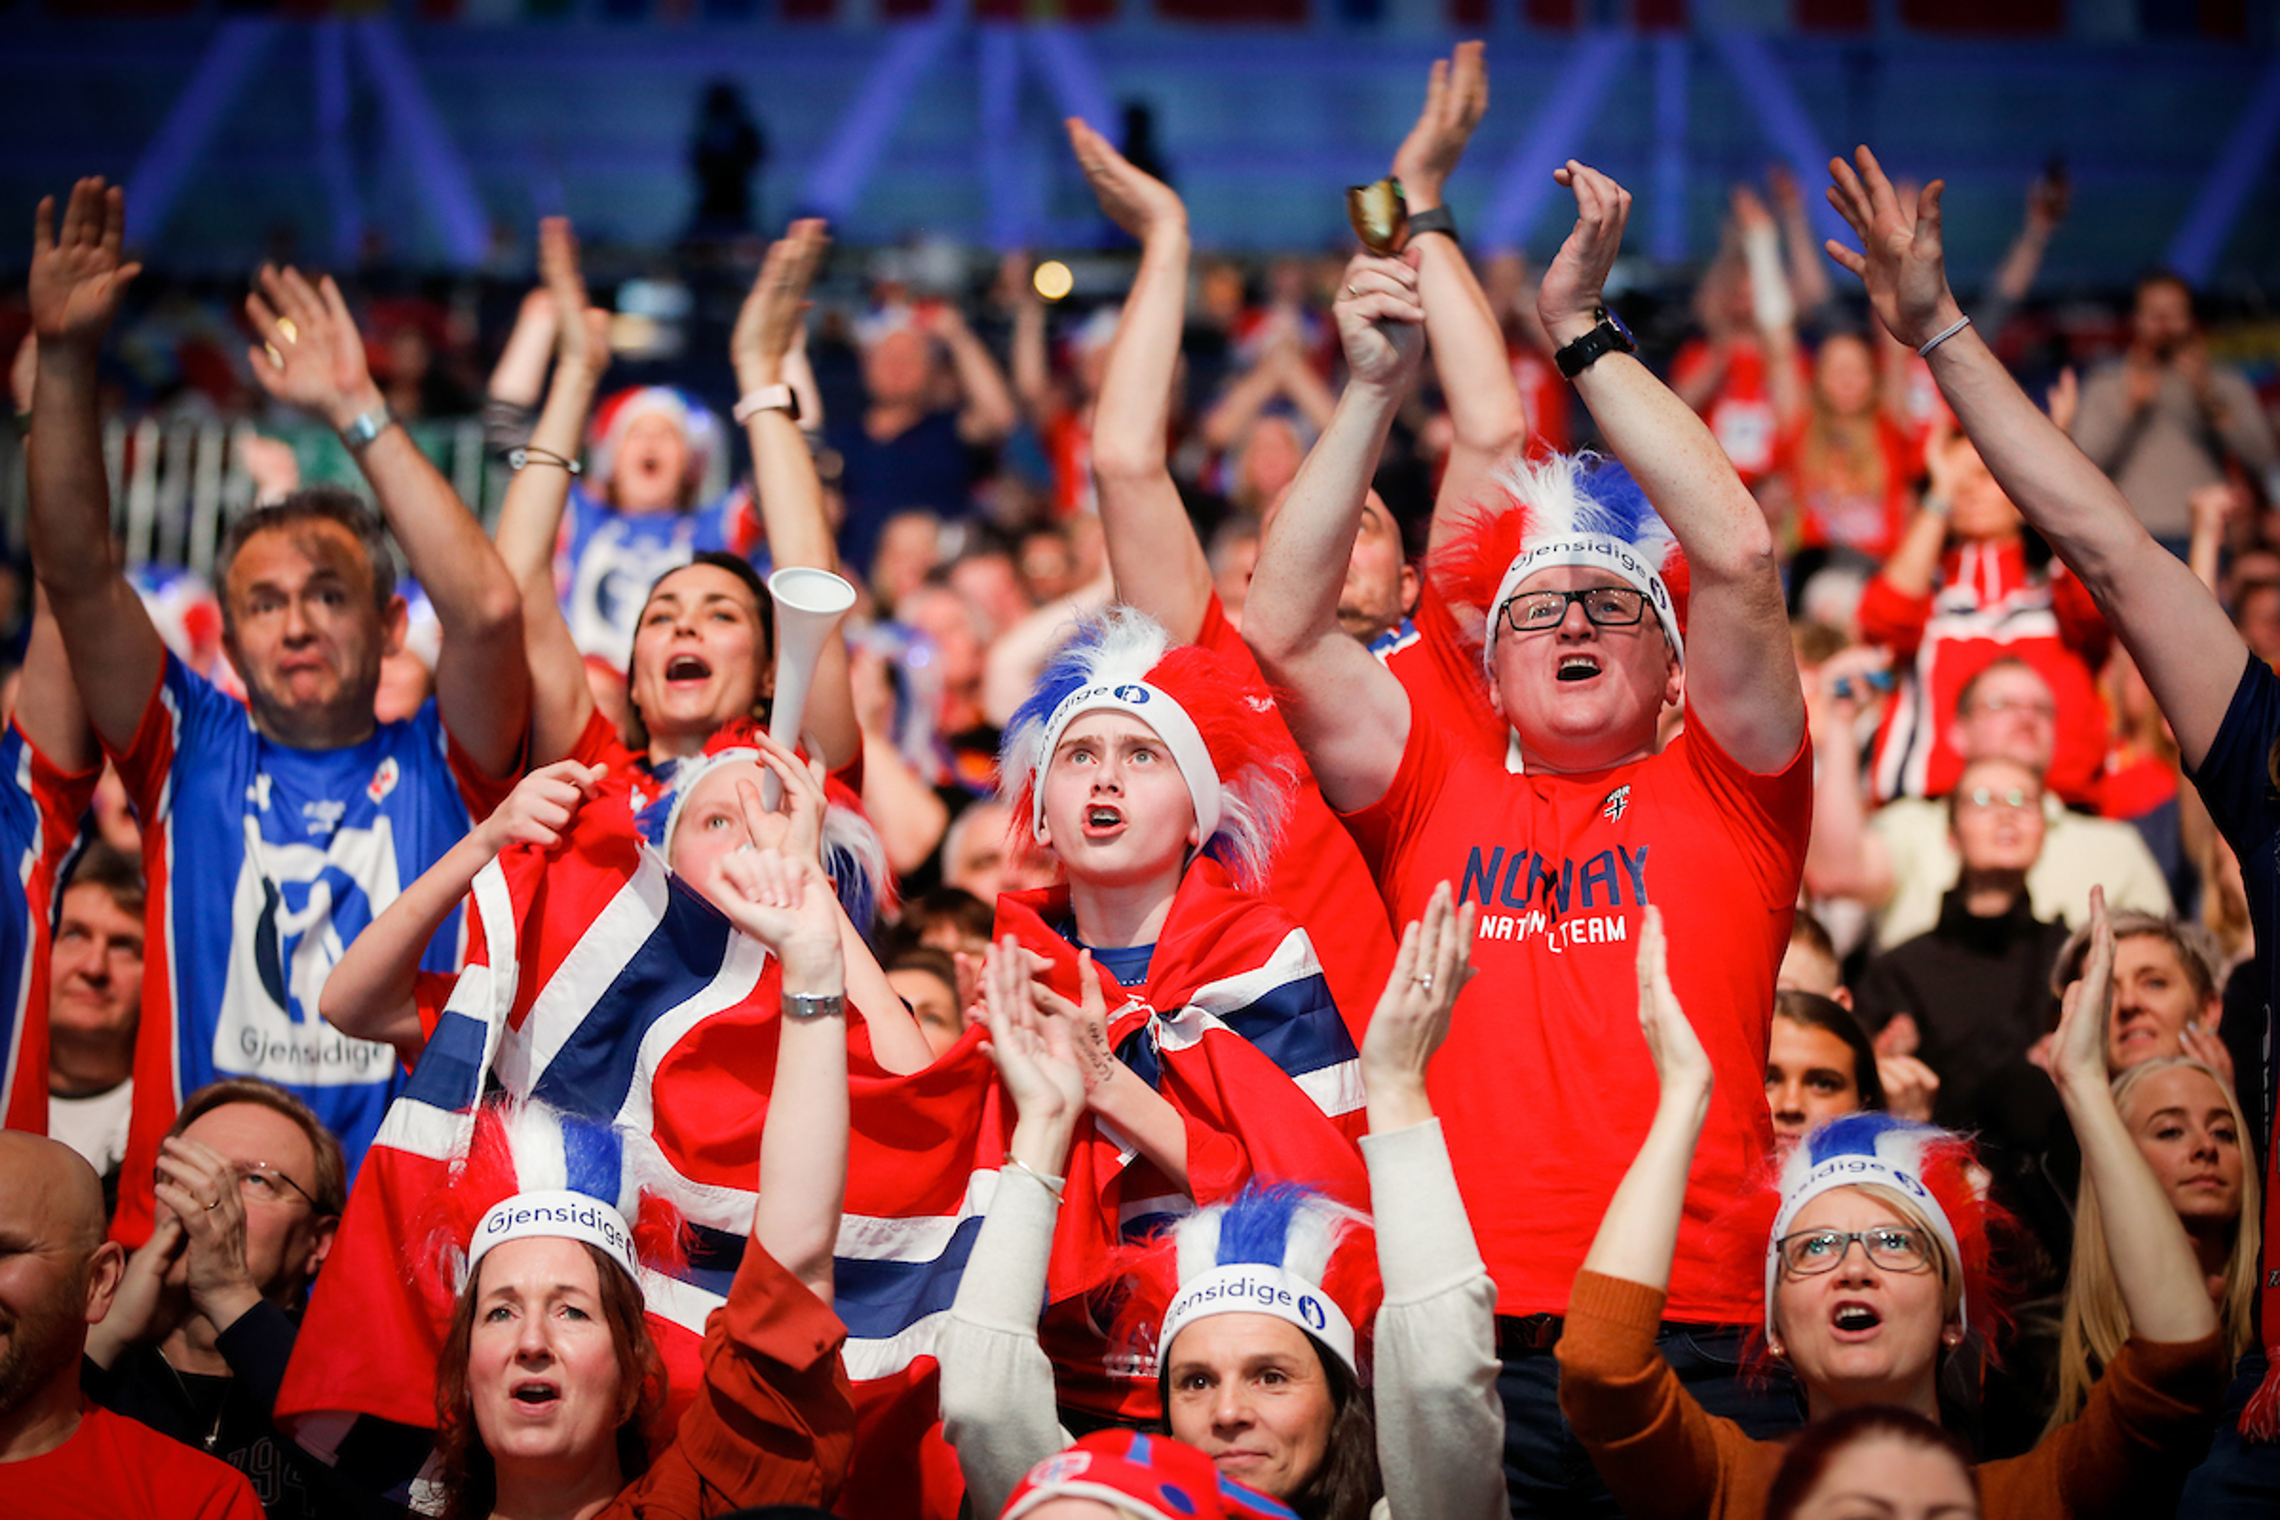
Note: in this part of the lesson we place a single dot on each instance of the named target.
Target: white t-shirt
(94, 1126)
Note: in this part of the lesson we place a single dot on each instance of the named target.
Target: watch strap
(1440, 219)
(1587, 350)
(361, 430)
(768, 398)
(802, 1006)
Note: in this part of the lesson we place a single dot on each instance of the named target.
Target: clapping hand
(1571, 294)
(1032, 1051)
(1412, 1016)
(784, 902)
(1132, 198)
(583, 339)
(2078, 1049)
(1681, 1066)
(1456, 98)
(775, 312)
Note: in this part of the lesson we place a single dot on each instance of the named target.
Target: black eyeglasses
(1894, 1247)
(1605, 606)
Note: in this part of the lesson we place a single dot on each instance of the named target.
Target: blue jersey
(610, 559)
(41, 814)
(262, 862)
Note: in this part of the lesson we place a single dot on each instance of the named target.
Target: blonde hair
(2096, 1321)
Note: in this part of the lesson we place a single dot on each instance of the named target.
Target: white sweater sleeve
(1440, 1424)
(997, 1385)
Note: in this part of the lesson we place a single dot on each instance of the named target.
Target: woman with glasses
(1875, 1270)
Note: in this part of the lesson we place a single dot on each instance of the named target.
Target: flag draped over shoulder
(1236, 1029)
(599, 983)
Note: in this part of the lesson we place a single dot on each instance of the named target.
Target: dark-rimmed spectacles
(1605, 606)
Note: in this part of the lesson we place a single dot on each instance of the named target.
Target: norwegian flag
(599, 983)
(1236, 1029)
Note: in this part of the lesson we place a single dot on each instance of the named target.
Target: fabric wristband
(561, 1215)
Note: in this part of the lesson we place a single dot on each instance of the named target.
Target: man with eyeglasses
(1602, 593)
(1976, 984)
(1901, 858)
(250, 1186)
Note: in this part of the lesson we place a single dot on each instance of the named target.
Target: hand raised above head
(1381, 320)
(1572, 291)
(1456, 98)
(1131, 197)
(1900, 258)
(311, 355)
(79, 272)
(582, 332)
(2078, 1048)
(773, 313)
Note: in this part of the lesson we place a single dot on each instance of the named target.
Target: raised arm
(1639, 1232)
(784, 902)
(482, 684)
(2182, 640)
(1152, 548)
(997, 1383)
(78, 277)
(1347, 711)
(2154, 1265)
(784, 476)
(1485, 414)
(1741, 678)
(370, 993)
(989, 412)
(530, 519)
(1774, 309)
(48, 708)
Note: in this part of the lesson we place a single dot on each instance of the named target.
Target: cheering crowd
(1205, 919)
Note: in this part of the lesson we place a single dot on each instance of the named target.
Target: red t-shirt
(114, 1468)
(1318, 877)
(1740, 412)
(1545, 1089)
(1869, 516)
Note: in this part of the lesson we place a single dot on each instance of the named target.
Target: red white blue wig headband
(1238, 763)
(1281, 1251)
(1855, 1149)
(1564, 509)
(531, 1170)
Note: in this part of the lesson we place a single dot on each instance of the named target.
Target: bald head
(57, 1274)
(52, 1190)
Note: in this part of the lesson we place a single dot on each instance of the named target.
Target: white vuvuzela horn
(809, 605)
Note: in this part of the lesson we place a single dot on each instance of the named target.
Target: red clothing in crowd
(1986, 605)
(1317, 876)
(1833, 513)
(774, 1422)
(1740, 412)
(1545, 1089)
(114, 1468)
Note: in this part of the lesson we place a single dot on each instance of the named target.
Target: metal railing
(176, 482)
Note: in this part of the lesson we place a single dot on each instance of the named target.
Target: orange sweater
(1664, 1458)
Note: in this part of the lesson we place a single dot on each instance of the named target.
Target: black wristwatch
(1439, 219)
(1609, 337)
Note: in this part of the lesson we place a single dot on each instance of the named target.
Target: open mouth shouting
(536, 1395)
(1578, 666)
(1853, 1320)
(1103, 820)
(687, 667)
